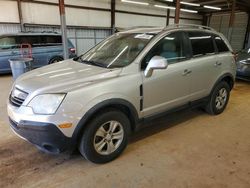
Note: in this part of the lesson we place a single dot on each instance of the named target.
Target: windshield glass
(117, 51)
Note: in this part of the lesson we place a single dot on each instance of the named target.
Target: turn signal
(65, 125)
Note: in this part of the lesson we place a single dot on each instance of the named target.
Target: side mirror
(157, 62)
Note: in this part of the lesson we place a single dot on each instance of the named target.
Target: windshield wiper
(94, 63)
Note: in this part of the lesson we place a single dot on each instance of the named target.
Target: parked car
(96, 100)
(46, 48)
(243, 64)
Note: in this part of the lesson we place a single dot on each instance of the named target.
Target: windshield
(117, 51)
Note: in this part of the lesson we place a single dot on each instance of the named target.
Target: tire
(96, 142)
(55, 60)
(218, 99)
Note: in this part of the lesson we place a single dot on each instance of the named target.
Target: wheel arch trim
(109, 103)
(222, 77)
(54, 57)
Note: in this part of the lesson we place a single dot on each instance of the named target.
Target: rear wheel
(55, 60)
(105, 137)
(219, 99)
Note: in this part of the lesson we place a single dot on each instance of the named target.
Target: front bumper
(42, 130)
(44, 135)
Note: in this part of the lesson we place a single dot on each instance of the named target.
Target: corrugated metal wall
(83, 39)
(9, 28)
(239, 31)
(221, 24)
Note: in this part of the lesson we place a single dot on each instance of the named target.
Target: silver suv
(96, 100)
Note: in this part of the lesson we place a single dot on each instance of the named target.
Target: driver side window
(170, 47)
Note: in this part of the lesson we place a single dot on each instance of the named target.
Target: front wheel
(218, 99)
(105, 137)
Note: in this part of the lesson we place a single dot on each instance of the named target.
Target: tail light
(72, 50)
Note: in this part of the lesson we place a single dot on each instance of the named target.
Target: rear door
(204, 63)
(44, 47)
(9, 48)
(52, 46)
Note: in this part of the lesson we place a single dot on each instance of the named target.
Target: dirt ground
(185, 149)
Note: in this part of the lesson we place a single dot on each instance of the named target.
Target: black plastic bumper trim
(43, 135)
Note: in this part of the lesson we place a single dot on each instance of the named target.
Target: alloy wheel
(108, 137)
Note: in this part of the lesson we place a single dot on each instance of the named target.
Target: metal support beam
(63, 29)
(247, 35)
(167, 19)
(209, 20)
(231, 22)
(20, 15)
(177, 12)
(113, 15)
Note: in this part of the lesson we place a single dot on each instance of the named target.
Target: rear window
(202, 43)
(221, 46)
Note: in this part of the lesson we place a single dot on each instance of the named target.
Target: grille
(17, 97)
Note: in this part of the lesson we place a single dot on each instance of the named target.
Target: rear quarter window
(221, 46)
(202, 43)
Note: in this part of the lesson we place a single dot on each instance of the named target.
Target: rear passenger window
(221, 46)
(51, 40)
(33, 40)
(202, 43)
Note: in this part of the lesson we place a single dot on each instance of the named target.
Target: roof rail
(190, 25)
(134, 27)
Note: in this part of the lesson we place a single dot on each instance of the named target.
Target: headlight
(46, 103)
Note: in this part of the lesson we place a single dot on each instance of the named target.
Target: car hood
(63, 76)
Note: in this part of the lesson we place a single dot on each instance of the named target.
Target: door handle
(217, 64)
(186, 72)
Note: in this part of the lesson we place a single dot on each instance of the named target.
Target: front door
(168, 88)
